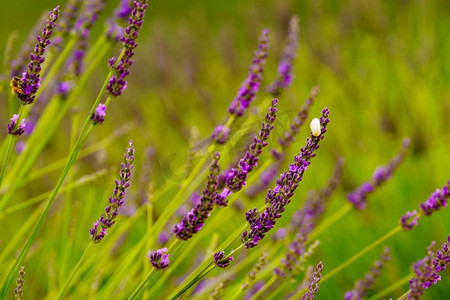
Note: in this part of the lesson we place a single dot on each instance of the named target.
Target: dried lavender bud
(115, 24)
(285, 67)
(297, 123)
(358, 197)
(437, 200)
(217, 293)
(314, 284)
(116, 200)
(160, 259)
(220, 261)
(220, 134)
(195, 219)
(362, 286)
(409, 221)
(31, 81)
(18, 292)
(255, 270)
(12, 130)
(279, 197)
(427, 269)
(237, 177)
(250, 86)
(120, 69)
(99, 114)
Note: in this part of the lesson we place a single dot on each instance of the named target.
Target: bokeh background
(384, 72)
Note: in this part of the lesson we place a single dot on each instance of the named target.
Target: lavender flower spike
(18, 292)
(279, 197)
(285, 67)
(120, 69)
(237, 177)
(428, 268)
(12, 130)
(220, 261)
(195, 219)
(160, 259)
(99, 114)
(358, 197)
(437, 200)
(116, 200)
(250, 86)
(362, 286)
(314, 284)
(31, 81)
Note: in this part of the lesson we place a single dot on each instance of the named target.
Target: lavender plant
(168, 238)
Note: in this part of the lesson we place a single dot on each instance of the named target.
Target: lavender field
(225, 149)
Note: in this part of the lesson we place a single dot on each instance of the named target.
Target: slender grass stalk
(74, 271)
(382, 294)
(330, 220)
(404, 295)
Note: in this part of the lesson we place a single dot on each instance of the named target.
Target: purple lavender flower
(195, 219)
(297, 123)
(358, 197)
(160, 259)
(115, 29)
(314, 284)
(237, 176)
(116, 200)
(220, 261)
(362, 286)
(285, 67)
(12, 130)
(264, 181)
(279, 197)
(99, 114)
(428, 268)
(120, 68)
(409, 221)
(250, 86)
(220, 134)
(31, 81)
(437, 200)
(18, 291)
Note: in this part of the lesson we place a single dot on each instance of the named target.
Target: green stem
(404, 295)
(331, 220)
(382, 294)
(74, 271)
(360, 254)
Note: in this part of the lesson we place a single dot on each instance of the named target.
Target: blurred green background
(384, 72)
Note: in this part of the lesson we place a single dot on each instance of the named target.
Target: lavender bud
(220, 261)
(314, 284)
(18, 292)
(99, 114)
(220, 134)
(160, 259)
(12, 130)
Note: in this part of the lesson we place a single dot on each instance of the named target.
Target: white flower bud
(315, 127)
